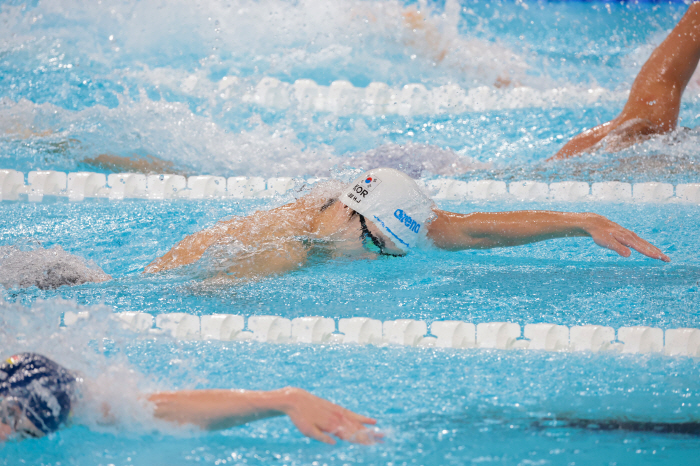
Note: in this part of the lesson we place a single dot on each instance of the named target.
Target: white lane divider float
(225, 327)
(11, 185)
(360, 330)
(136, 321)
(202, 187)
(81, 185)
(409, 332)
(165, 186)
(342, 98)
(45, 182)
(312, 329)
(180, 325)
(117, 186)
(127, 185)
(454, 334)
(569, 191)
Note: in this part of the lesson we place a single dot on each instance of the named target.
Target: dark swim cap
(43, 389)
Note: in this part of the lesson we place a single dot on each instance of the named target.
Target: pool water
(145, 78)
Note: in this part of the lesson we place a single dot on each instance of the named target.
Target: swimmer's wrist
(588, 222)
(286, 399)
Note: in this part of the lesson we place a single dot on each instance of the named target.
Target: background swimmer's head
(394, 203)
(34, 388)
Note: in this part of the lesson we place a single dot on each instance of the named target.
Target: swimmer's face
(13, 421)
(343, 224)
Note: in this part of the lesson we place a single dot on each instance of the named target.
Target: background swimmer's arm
(455, 232)
(138, 164)
(431, 42)
(655, 97)
(221, 409)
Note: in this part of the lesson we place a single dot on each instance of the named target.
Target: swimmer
(37, 395)
(437, 40)
(655, 98)
(382, 213)
(135, 163)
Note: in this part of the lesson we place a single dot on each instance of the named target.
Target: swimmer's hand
(316, 417)
(221, 409)
(610, 235)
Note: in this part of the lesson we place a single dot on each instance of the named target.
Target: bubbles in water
(111, 394)
(416, 160)
(29, 264)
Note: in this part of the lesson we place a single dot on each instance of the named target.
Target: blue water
(145, 78)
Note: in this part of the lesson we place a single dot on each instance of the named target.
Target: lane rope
(78, 186)
(409, 332)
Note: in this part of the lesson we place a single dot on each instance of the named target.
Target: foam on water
(111, 391)
(45, 135)
(337, 37)
(79, 349)
(29, 264)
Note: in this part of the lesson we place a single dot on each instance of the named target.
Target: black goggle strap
(377, 242)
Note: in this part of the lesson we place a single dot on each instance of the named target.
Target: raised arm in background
(655, 98)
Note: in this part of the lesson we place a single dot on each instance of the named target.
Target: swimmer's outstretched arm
(135, 164)
(655, 98)
(455, 232)
(221, 409)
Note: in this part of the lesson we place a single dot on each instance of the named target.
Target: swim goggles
(373, 243)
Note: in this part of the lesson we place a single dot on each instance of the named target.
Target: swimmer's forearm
(490, 230)
(185, 252)
(217, 409)
(286, 256)
(220, 409)
(656, 92)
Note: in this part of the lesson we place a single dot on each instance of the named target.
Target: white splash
(30, 264)
(111, 393)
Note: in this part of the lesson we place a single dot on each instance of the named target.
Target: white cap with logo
(394, 202)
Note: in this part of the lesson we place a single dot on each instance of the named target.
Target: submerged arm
(221, 409)
(455, 232)
(187, 251)
(272, 259)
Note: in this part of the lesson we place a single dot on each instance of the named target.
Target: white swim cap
(394, 202)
